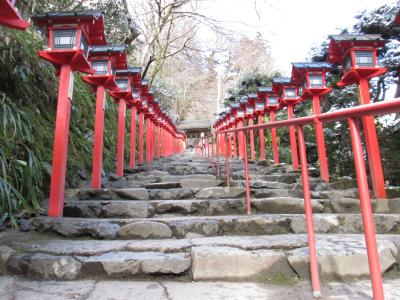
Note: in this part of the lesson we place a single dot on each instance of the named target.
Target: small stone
(24, 225)
(5, 254)
(145, 229)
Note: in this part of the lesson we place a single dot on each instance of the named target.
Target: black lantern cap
(108, 49)
(356, 37)
(96, 14)
(281, 80)
(312, 65)
(264, 89)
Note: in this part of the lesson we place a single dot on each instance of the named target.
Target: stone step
(180, 227)
(15, 287)
(341, 257)
(154, 208)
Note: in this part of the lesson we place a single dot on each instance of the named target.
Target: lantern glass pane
(240, 113)
(316, 81)
(290, 93)
(365, 58)
(64, 39)
(259, 106)
(144, 102)
(135, 93)
(84, 45)
(122, 84)
(250, 110)
(100, 66)
(273, 100)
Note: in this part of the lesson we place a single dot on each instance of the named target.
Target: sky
(291, 27)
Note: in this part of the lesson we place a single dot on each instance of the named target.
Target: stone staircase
(175, 220)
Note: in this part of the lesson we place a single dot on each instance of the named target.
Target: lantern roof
(340, 43)
(264, 89)
(145, 82)
(252, 96)
(129, 71)
(312, 65)
(94, 19)
(117, 51)
(281, 80)
(299, 70)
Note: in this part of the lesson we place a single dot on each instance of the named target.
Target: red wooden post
(308, 212)
(132, 160)
(366, 210)
(241, 140)
(148, 139)
(121, 137)
(275, 150)
(372, 144)
(227, 162)
(320, 139)
(246, 171)
(234, 144)
(261, 137)
(252, 149)
(141, 134)
(60, 147)
(98, 138)
(218, 153)
(292, 137)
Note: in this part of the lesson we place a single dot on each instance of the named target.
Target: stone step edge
(338, 260)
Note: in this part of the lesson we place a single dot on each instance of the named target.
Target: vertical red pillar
(320, 139)
(227, 161)
(366, 211)
(148, 139)
(121, 137)
(309, 217)
(275, 150)
(98, 138)
(240, 137)
(292, 138)
(246, 172)
(261, 137)
(372, 145)
(60, 147)
(234, 143)
(132, 160)
(252, 149)
(141, 133)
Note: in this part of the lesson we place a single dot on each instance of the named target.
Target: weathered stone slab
(82, 209)
(179, 178)
(126, 264)
(205, 227)
(132, 194)
(127, 209)
(221, 263)
(342, 259)
(184, 207)
(198, 184)
(44, 266)
(162, 185)
(177, 193)
(268, 193)
(221, 193)
(284, 205)
(76, 227)
(145, 230)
